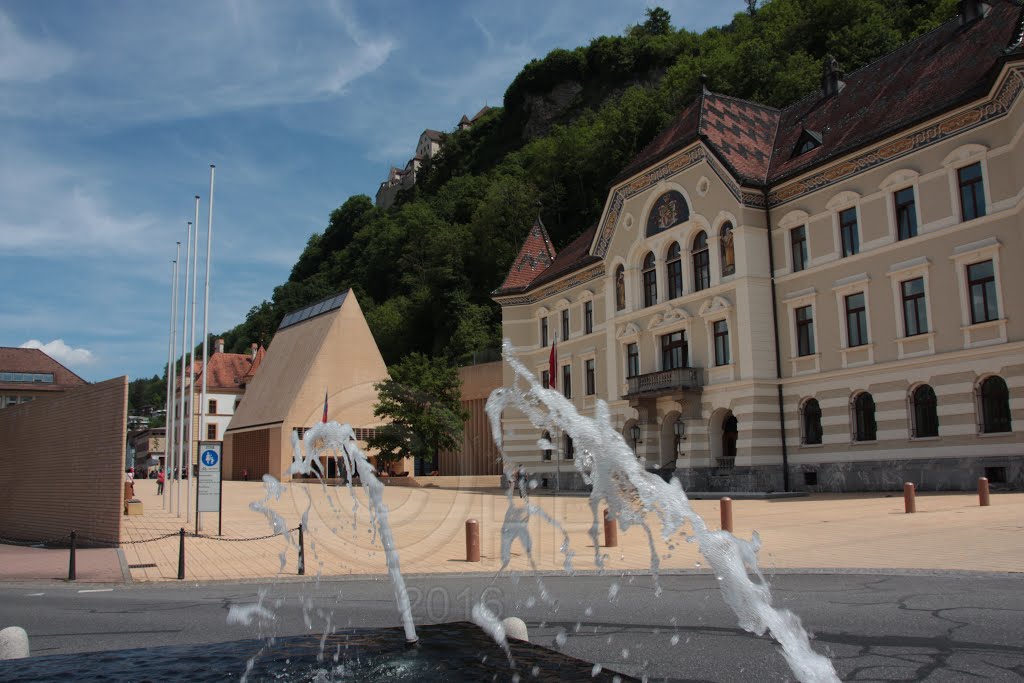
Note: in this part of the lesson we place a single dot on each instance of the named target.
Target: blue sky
(112, 111)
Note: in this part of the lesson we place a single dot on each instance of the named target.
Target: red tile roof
(230, 370)
(535, 256)
(34, 360)
(938, 71)
(574, 255)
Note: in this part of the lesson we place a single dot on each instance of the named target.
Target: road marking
(33, 595)
(96, 590)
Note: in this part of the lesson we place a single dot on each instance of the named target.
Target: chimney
(972, 10)
(831, 78)
(219, 346)
(255, 347)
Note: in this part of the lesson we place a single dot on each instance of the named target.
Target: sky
(112, 111)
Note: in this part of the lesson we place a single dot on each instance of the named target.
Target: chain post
(72, 573)
(181, 553)
(302, 554)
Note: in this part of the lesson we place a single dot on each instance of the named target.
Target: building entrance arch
(723, 432)
(668, 452)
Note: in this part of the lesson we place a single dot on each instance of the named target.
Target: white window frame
(898, 274)
(843, 288)
(841, 202)
(954, 161)
(963, 256)
(799, 299)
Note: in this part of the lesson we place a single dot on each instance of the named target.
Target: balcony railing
(666, 381)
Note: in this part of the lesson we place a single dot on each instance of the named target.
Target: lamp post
(634, 432)
(679, 429)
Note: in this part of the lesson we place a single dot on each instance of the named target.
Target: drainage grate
(142, 566)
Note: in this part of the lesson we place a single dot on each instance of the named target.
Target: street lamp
(679, 428)
(634, 432)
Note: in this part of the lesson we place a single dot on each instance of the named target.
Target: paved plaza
(870, 531)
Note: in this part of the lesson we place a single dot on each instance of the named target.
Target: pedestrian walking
(160, 478)
(522, 480)
(129, 476)
(245, 474)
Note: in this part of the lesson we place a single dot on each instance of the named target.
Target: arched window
(994, 399)
(650, 281)
(925, 412)
(620, 288)
(674, 269)
(864, 426)
(728, 250)
(810, 422)
(701, 263)
(546, 436)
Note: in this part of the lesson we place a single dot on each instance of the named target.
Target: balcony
(665, 383)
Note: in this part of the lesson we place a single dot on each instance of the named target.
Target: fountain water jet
(619, 480)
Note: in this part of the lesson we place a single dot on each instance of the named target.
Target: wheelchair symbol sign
(210, 458)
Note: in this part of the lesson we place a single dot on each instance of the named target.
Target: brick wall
(62, 464)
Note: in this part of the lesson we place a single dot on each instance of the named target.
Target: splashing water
(618, 479)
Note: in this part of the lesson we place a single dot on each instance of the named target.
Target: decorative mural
(670, 210)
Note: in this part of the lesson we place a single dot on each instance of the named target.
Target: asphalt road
(903, 627)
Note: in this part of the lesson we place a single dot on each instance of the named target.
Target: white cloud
(61, 352)
(29, 61)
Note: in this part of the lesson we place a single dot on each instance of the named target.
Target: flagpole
(173, 371)
(192, 379)
(185, 367)
(206, 306)
(558, 459)
(168, 415)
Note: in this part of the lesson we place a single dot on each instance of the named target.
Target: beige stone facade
(883, 320)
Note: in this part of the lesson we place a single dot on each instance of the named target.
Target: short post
(472, 540)
(611, 530)
(909, 502)
(181, 553)
(72, 574)
(983, 500)
(302, 553)
(725, 505)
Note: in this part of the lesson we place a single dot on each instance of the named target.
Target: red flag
(325, 405)
(552, 364)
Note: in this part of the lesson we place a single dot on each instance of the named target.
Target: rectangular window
(632, 360)
(848, 232)
(591, 379)
(211, 432)
(570, 450)
(211, 407)
(674, 351)
(565, 324)
(856, 320)
(544, 331)
(915, 317)
(798, 244)
(906, 214)
(981, 281)
(721, 328)
(972, 192)
(588, 317)
(567, 381)
(805, 331)
(545, 379)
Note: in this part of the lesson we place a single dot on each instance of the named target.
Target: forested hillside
(424, 268)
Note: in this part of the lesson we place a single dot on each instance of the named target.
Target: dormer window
(808, 141)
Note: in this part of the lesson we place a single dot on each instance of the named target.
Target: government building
(819, 298)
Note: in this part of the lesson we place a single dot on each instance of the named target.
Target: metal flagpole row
(191, 383)
(186, 412)
(168, 419)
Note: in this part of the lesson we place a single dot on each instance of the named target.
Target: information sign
(209, 476)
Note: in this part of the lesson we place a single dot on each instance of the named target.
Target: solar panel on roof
(318, 308)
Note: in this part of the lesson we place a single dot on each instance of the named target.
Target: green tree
(422, 400)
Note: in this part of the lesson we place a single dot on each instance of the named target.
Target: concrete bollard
(725, 505)
(611, 530)
(909, 502)
(983, 499)
(302, 553)
(13, 643)
(472, 540)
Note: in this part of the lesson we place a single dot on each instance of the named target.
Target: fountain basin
(457, 651)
